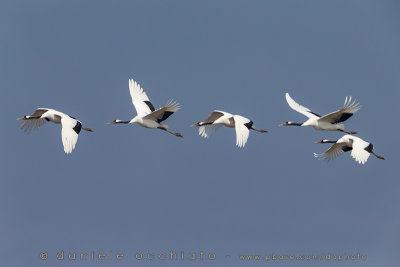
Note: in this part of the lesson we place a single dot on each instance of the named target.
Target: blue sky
(128, 189)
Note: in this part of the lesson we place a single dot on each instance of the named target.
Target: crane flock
(148, 117)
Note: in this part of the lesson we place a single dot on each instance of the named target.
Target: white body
(322, 125)
(146, 123)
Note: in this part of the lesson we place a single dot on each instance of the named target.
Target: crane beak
(283, 124)
(111, 122)
(21, 118)
(88, 129)
(194, 125)
(318, 142)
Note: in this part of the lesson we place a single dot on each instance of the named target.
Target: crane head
(196, 124)
(323, 141)
(117, 121)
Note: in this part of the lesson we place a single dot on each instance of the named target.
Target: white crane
(147, 116)
(70, 125)
(330, 122)
(218, 118)
(360, 149)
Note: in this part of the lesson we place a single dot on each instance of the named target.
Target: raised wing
(242, 127)
(334, 151)
(33, 121)
(348, 109)
(163, 113)
(301, 109)
(216, 114)
(69, 133)
(140, 100)
(359, 153)
(39, 112)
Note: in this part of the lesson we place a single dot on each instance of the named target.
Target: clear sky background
(129, 189)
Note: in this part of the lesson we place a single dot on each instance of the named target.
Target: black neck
(33, 118)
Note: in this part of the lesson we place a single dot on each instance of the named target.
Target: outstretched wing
(163, 113)
(359, 153)
(242, 127)
(301, 109)
(33, 121)
(348, 109)
(334, 151)
(208, 129)
(69, 133)
(140, 100)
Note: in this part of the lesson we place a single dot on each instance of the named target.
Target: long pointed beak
(21, 118)
(111, 122)
(194, 125)
(318, 142)
(283, 124)
(88, 129)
